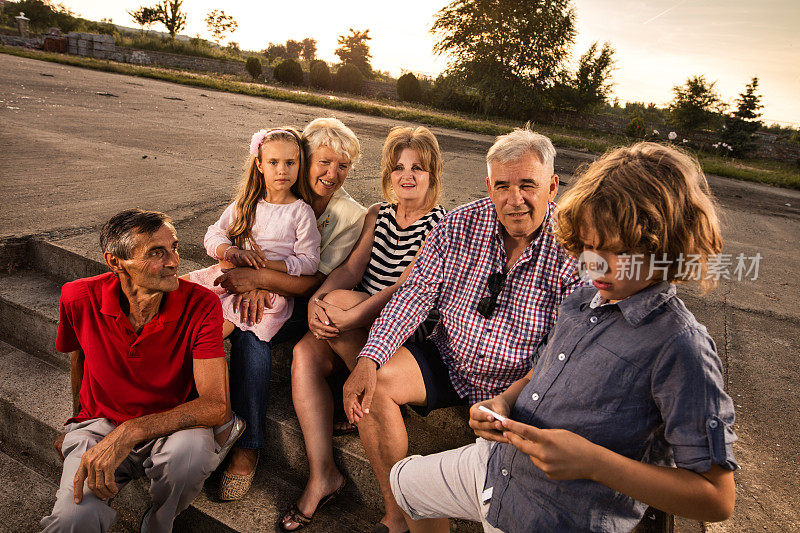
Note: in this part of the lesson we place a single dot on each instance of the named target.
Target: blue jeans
(251, 367)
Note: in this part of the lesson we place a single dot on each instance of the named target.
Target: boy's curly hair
(649, 199)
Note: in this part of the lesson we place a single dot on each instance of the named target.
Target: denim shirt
(640, 377)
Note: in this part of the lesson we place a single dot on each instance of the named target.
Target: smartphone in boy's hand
(497, 416)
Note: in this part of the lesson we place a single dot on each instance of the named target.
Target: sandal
(344, 428)
(294, 514)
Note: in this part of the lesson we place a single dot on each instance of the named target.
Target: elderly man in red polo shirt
(149, 380)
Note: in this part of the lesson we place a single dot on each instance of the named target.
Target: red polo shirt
(127, 376)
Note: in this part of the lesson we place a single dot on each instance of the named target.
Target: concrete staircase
(35, 401)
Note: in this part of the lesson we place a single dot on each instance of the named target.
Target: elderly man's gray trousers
(177, 465)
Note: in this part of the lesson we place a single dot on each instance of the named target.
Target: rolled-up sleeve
(305, 258)
(412, 302)
(698, 414)
(217, 233)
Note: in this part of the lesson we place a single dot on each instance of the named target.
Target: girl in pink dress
(270, 224)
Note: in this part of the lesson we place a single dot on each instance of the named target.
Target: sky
(658, 43)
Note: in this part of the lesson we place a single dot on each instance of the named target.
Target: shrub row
(347, 78)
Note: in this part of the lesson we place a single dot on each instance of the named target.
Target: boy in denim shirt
(624, 406)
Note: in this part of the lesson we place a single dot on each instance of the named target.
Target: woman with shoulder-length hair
(330, 148)
(351, 298)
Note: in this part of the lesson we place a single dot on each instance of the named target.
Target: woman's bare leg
(312, 361)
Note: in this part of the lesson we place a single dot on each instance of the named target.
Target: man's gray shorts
(444, 485)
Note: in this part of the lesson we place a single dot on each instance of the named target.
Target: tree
(741, 125)
(354, 50)
(219, 24)
(696, 104)
(592, 81)
(145, 16)
(293, 49)
(171, 16)
(309, 50)
(510, 51)
(274, 51)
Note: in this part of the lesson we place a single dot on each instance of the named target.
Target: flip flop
(344, 428)
(294, 514)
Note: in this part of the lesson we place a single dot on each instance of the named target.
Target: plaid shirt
(484, 356)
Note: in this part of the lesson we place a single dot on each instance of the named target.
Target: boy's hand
(559, 453)
(484, 424)
(252, 258)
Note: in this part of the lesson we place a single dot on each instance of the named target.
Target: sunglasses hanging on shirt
(495, 285)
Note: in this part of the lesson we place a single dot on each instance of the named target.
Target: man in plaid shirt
(496, 274)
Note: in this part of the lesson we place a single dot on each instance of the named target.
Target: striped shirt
(394, 248)
(483, 356)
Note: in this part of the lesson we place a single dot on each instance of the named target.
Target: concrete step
(29, 313)
(34, 403)
(25, 495)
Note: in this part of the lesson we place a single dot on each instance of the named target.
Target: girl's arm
(304, 258)
(708, 496)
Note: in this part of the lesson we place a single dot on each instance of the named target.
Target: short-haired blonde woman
(351, 298)
(330, 148)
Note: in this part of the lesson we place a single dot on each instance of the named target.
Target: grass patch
(193, 47)
(758, 170)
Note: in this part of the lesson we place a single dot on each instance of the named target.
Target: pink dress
(284, 232)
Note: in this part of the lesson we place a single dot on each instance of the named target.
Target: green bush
(408, 88)
(636, 128)
(446, 93)
(320, 75)
(349, 79)
(289, 71)
(253, 67)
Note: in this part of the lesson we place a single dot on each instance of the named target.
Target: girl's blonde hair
(252, 187)
(649, 199)
(422, 141)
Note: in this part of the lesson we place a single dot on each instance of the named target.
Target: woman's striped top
(394, 248)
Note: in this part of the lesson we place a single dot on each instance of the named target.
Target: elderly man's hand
(359, 388)
(238, 280)
(99, 465)
(59, 444)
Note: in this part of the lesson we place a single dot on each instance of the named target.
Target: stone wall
(26, 42)
(104, 47)
(183, 62)
(100, 46)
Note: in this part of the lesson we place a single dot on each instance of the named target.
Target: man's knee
(186, 458)
(401, 380)
(90, 515)
(397, 481)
